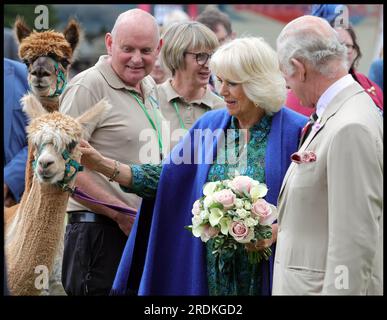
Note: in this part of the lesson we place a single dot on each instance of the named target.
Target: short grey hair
(308, 45)
(251, 62)
(180, 37)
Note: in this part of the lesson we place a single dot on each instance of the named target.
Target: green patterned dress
(242, 278)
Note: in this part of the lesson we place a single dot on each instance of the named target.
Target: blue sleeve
(14, 173)
(15, 149)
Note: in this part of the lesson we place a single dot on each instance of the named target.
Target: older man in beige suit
(330, 205)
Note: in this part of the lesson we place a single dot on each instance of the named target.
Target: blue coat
(161, 257)
(15, 122)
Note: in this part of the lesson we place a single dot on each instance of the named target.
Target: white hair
(175, 16)
(251, 62)
(309, 45)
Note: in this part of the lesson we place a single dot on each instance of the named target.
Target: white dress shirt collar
(331, 92)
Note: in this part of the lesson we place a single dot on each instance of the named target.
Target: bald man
(330, 204)
(96, 235)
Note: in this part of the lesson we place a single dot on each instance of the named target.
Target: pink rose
(264, 211)
(240, 232)
(242, 184)
(226, 197)
(196, 208)
(208, 233)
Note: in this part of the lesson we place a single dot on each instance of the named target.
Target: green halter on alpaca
(70, 163)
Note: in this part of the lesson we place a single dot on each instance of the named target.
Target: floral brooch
(303, 157)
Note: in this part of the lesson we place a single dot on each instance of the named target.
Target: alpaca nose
(45, 163)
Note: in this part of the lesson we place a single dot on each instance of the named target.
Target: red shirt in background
(373, 90)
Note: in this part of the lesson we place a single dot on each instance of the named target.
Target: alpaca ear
(91, 117)
(72, 33)
(32, 106)
(21, 29)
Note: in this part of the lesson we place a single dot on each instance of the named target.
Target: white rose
(208, 200)
(258, 191)
(209, 188)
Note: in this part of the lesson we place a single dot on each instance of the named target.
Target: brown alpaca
(33, 236)
(48, 55)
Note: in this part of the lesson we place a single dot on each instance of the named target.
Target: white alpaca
(35, 232)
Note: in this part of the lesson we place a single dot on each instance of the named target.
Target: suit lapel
(329, 112)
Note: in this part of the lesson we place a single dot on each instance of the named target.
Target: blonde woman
(161, 257)
(185, 97)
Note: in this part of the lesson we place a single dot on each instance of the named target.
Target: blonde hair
(251, 62)
(185, 36)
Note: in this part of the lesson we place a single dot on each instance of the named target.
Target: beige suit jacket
(330, 210)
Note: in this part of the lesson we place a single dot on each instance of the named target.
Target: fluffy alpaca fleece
(59, 46)
(35, 44)
(35, 233)
(39, 44)
(44, 208)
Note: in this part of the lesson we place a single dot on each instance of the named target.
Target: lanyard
(150, 120)
(178, 114)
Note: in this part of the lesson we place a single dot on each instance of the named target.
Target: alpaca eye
(71, 145)
(65, 63)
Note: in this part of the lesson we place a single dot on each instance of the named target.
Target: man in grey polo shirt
(96, 235)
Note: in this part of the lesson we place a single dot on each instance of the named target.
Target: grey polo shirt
(187, 113)
(124, 133)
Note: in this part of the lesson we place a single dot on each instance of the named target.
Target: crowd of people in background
(199, 74)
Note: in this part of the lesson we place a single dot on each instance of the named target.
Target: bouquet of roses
(232, 212)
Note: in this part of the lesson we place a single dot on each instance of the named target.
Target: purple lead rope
(84, 196)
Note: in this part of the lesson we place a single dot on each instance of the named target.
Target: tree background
(27, 11)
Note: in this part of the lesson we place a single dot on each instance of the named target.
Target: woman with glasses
(349, 39)
(185, 97)
(161, 257)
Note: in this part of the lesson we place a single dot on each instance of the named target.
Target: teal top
(243, 278)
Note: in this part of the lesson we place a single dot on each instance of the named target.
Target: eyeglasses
(201, 57)
(350, 47)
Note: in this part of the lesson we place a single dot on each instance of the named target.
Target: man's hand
(9, 200)
(125, 222)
